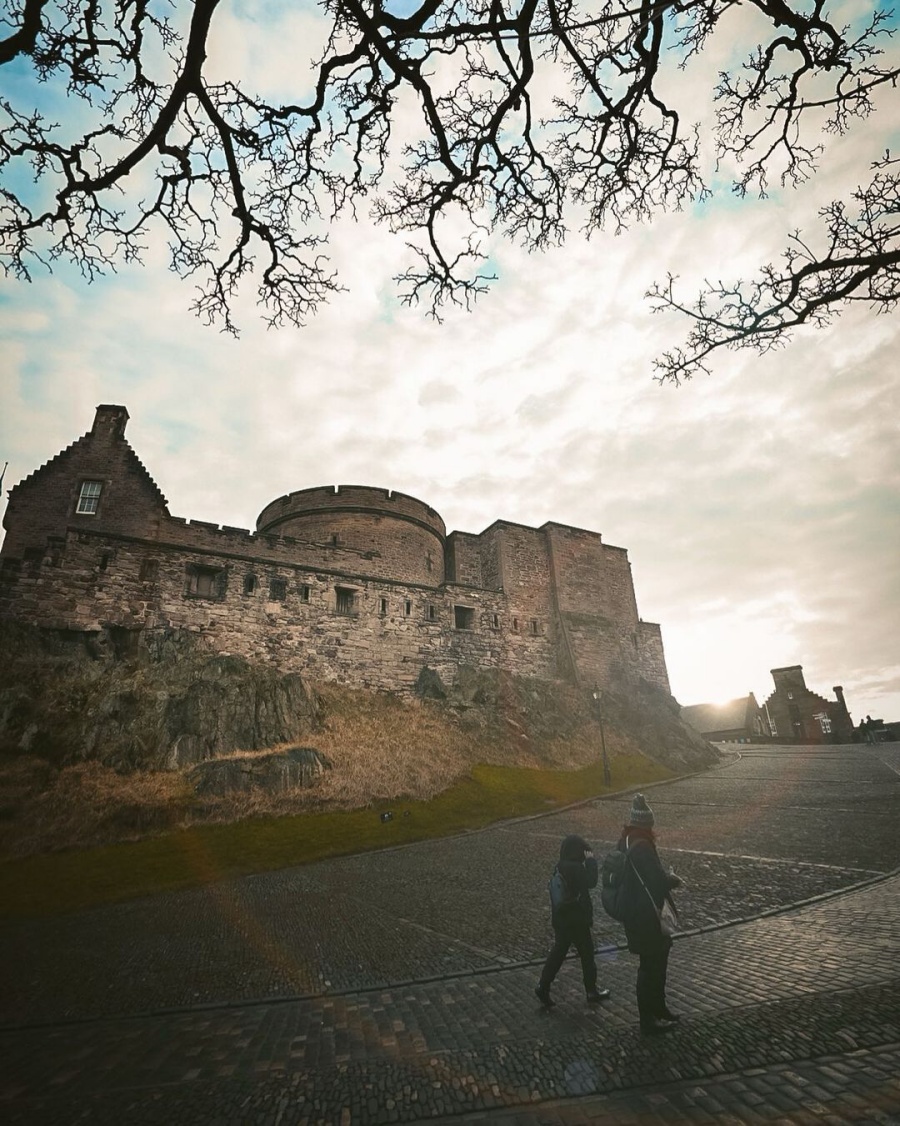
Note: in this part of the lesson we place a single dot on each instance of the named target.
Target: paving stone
(765, 1002)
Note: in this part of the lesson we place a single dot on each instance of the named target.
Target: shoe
(543, 995)
(594, 996)
(655, 1027)
(671, 1017)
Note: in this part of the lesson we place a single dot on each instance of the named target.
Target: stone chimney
(789, 678)
(839, 696)
(109, 422)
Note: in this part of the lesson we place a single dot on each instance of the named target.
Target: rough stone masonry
(347, 583)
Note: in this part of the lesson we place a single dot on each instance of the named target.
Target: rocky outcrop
(160, 701)
(279, 772)
(635, 715)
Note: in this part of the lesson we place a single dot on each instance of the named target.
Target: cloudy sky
(760, 506)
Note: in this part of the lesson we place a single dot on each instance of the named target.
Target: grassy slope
(65, 881)
(77, 835)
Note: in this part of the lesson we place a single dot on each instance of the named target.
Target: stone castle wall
(352, 584)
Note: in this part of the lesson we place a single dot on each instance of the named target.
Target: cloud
(759, 506)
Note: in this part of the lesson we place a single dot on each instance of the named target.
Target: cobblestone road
(396, 986)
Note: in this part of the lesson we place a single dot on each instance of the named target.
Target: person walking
(645, 892)
(572, 914)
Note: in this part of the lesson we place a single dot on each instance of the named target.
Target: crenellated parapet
(401, 536)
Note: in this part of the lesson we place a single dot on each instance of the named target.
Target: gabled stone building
(351, 583)
(795, 712)
(791, 714)
(736, 721)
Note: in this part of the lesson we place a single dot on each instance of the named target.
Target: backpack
(612, 879)
(560, 892)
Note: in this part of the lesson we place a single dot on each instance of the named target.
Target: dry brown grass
(85, 804)
(381, 748)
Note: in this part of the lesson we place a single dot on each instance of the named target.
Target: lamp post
(598, 708)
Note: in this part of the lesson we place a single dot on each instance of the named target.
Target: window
(149, 570)
(89, 498)
(304, 593)
(335, 539)
(104, 561)
(495, 621)
(251, 582)
(515, 625)
(9, 570)
(383, 609)
(463, 617)
(277, 590)
(432, 613)
(407, 607)
(346, 600)
(205, 582)
(535, 628)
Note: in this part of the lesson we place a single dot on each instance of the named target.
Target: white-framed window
(89, 498)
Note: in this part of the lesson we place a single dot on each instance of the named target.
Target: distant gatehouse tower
(347, 583)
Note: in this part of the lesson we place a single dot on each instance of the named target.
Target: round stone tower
(395, 535)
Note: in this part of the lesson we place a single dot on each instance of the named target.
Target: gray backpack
(612, 879)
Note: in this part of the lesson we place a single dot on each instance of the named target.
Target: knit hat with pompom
(641, 813)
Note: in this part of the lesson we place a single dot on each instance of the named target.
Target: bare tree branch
(859, 261)
(527, 108)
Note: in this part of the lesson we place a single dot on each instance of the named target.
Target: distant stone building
(793, 711)
(737, 721)
(352, 583)
(791, 714)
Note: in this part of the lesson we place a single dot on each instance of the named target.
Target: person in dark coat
(645, 889)
(572, 914)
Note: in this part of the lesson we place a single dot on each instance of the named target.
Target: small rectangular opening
(383, 607)
(277, 590)
(463, 617)
(304, 592)
(495, 621)
(535, 628)
(345, 600)
(205, 582)
(250, 584)
(149, 570)
(9, 570)
(515, 625)
(432, 612)
(408, 607)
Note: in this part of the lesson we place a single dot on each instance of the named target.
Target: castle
(352, 583)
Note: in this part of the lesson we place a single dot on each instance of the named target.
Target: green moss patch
(67, 881)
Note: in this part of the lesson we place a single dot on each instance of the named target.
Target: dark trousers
(567, 935)
(651, 979)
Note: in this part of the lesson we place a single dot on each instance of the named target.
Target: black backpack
(612, 879)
